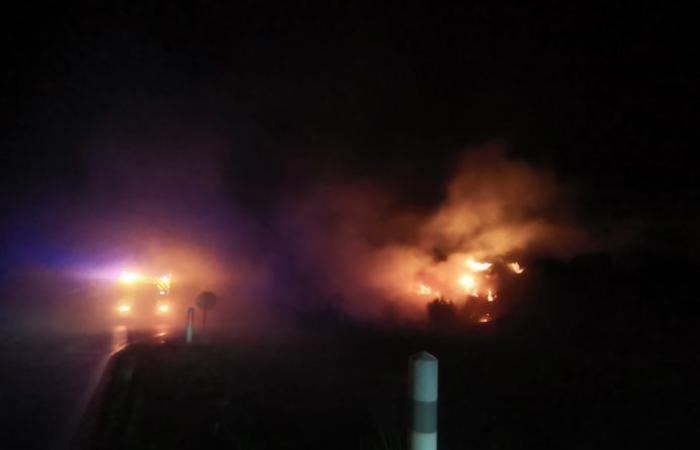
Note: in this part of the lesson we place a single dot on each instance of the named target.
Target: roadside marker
(190, 321)
(424, 373)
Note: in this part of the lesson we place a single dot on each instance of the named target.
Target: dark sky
(295, 94)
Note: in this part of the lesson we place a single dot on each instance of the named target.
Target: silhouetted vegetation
(442, 314)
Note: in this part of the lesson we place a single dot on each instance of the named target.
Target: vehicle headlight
(128, 277)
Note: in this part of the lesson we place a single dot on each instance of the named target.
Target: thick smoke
(159, 206)
(353, 246)
(496, 206)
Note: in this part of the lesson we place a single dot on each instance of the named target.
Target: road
(46, 382)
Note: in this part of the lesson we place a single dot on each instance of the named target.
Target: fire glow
(476, 266)
(373, 253)
(515, 267)
(422, 289)
(468, 283)
(472, 279)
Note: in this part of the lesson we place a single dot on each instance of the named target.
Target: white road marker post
(190, 322)
(424, 373)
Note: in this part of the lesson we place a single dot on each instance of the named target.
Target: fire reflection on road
(162, 331)
(119, 338)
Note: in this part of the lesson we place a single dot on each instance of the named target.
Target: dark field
(500, 387)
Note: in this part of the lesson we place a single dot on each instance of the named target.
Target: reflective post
(424, 373)
(190, 322)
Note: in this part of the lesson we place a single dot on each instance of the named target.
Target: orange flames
(491, 296)
(478, 280)
(477, 266)
(372, 252)
(468, 283)
(515, 267)
(471, 279)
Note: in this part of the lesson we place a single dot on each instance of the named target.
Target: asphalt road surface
(46, 382)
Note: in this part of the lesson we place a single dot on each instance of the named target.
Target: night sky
(290, 95)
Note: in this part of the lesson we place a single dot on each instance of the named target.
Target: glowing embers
(486, 318)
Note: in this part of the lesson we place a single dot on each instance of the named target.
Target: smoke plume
(352, 244)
